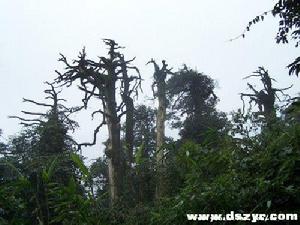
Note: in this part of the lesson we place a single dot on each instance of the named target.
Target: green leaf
(52, 167)
(47, 174)
(139, 154)
(12, 167)
(79, 163)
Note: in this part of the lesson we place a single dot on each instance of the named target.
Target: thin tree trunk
(129, 126)
(160, 75)
(115, 161)
(160, 137)
(129, 138)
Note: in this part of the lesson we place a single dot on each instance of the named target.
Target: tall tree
(160, 75)
(192, 96)
(44, 143)
(101, 80)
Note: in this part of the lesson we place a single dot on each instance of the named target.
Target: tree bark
(160, 75)
(114, 161)
(114, 154)
(129, 138)
(160, 137)
(129, 124)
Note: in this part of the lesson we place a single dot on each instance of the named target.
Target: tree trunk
(114, 154)
(114, 161)
(160, 137)
(129, 138)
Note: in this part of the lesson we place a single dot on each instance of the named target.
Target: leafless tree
(101, 80)
(265, 98)
(160, 75)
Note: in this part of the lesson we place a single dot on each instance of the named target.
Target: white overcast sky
(195, 32)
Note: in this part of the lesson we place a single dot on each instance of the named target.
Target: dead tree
(160, 75)
(265, 98)
(101, 80)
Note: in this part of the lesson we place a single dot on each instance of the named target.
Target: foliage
(192, 95)
(288, 27)
(39, 199)
(289, 23)
(144, 130)
(231, 179)
(244, 164)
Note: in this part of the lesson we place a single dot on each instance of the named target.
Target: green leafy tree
(192, 97)
(145, 148)
(40, 153)
(99, 174)
(144, 130)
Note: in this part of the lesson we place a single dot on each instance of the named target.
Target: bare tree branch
(37, 103)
